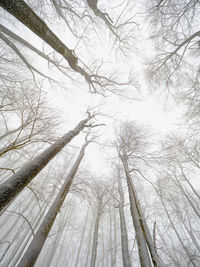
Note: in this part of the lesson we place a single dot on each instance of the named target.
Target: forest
(99, 133)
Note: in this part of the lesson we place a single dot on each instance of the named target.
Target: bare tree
(10, 188)
(37, 243)
(32, 118)
(98, 83)
(175, 30)
(124, 235)
(130, 142)
(101, 195)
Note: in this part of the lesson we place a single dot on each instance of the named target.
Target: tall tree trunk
(21, 11)
(124, 235)
(10, 188)
(136, 217)
(185, 247)
(89, 245)
(95, 234)
(52, 249)
(37, 243)
(114, 242)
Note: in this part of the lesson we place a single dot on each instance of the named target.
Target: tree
(100, 192)
(174, 29)
(124, 235)
(33, 119)
(178, 199)
(37, 243)
(21, 11)
(10, 188)
(130, 143)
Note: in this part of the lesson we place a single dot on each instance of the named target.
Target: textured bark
(146, 233)
(124, 235)
(10, 188)
(37, 243)
(21, 11)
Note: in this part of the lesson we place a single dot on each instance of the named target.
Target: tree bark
(124, 235)
(21, 11)
(140, 237)
(37, 243)
(10, 188)
(95, 234)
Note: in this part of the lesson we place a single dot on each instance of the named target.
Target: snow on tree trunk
(20, 10)
(10, 188)
(37, 243)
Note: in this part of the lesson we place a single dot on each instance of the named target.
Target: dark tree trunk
(21, 11)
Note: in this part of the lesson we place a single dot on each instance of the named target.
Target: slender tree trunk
(64, 261)
(186, 249)
(10, 188)
(103, 248)
(37, 243)
(114, 242)
(52, 249)
(89, 244)
(124, 235)
(95, 234)
(28, 45)
(21, 11)
(146, 232)
(140, 237)
(111, 239)
(81, 240)
(36, 222)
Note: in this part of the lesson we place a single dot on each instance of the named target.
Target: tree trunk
(21, 11)
(95, 234)
(124, 235)
(10, 188)
(140, 237)
(37, 243)
(89, 245)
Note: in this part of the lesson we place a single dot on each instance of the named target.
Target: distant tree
(174, 29)
(33, 120)
(101, 197)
